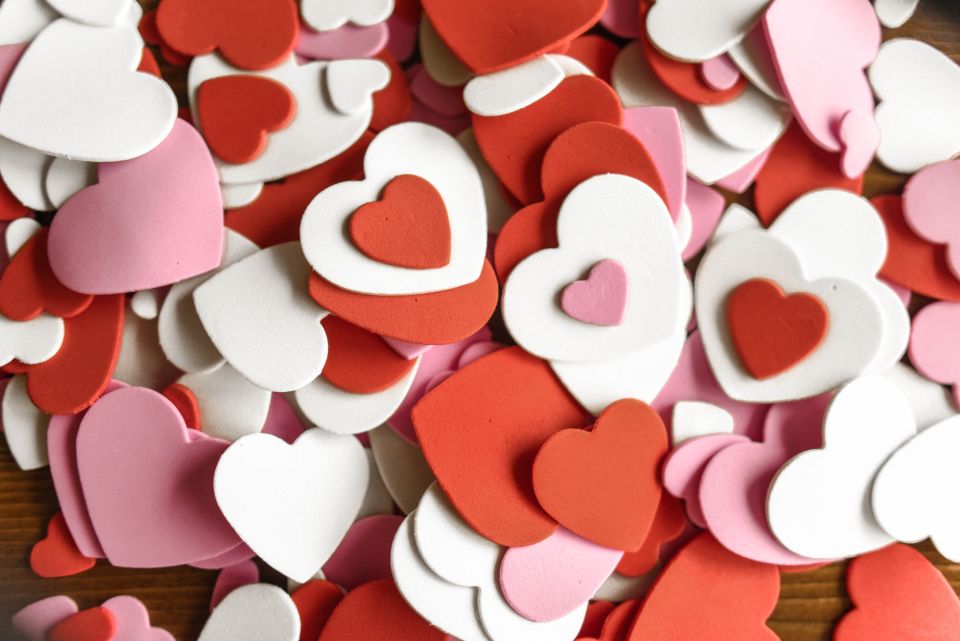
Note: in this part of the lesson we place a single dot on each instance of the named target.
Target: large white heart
(257, 612)
(324, 15)
(696, 30)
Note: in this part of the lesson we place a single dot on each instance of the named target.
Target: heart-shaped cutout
(376, 611)
(601, 299)
(315, 600)
(95, 624)
(133, 620)
(257, 612)
(57, 555)
(359, 361)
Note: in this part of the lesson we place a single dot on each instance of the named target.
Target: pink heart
(133, 621)
(658, 130)
(349, 41)
(935, 344)
(148, 487)
(282, 420)
(705, 205)
(364, 553)
(740, 180)
(34, 621)
(931, 201)
(150, 221)
(860, 137)
(234, 555)
(683, 468)
(233, 577)
(719, 73)
(554, 577)
(601, 299)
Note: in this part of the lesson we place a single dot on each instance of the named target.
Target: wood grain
(178, 598)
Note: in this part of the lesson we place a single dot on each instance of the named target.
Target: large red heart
(707, 592)
(95, 624)
(236, 114)
(771, 331)
(57, 555)
(604, 484)
(495, 34)
(250, 34)
(359, 361)
(668, 524)
(408, 227)
(376, 611)
(898, 595)
(505, 405)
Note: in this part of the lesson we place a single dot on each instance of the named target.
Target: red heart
(28, 286)
(376, 611)
(604, 484)
(408, 227)
(186, 403)
(95, 624)
(771, 331)
(495, 34)
(359, 361)
(684, 79)
(505, 406)
(250, 34)
(57, 555)
(668, 524)
(10, 207)
(315, 601)
(898, 595)
(707, 592)
(237, 112)
(514, 145)
(392, 104)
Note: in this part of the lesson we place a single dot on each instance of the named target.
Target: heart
(95, 624)
(927, 198)
(315, 601)
(686, 79)
(103, 13)
(668, 524)
(35, 620)
(364, 553)
(351, 83)
(257, 612)
(898, 594)
(186, 403)
(377, 611)
(501, 33)
(604, 484)
(148, 486)
(57, 555)
(359, 361)
(292, 504)
(150, 221)
(683, 469)
(697, 30)
(108, 112)
(325, 15)
(859, 137)
(601, 299)
(236, 114)
(408, 227)
(720, 72)
(250, 34)
(232, 577)
(133, 620)
(772, 331)
(393, 103)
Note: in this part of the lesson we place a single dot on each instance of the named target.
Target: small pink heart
(601, 299)
(149, 222)
(719, 73)
(35, 620)
(233, 577)
(148, 486)
(860, 137)
(930, 204)
(683, 469)
(133, 621)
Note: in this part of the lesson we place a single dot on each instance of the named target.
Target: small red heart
(771, 331)
(186, 403)
(95, 624)
(604, 484)
(376, 611)
(250, 34)
(57, 555)
(495, 34)
(683, 78)
(236, 113)
(359, 361)
(408, 227)
(668, 524)
(315, 600)
(898, 595)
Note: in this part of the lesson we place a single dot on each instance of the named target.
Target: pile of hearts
(487, 320)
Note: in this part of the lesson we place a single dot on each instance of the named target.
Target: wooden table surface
(178, 598)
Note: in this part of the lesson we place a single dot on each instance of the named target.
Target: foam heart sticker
(257, 612)
(509, 428)
(927, 198)
(359, 361)
(601, 299)
(668, 524)
(105, 13)
(95, 624)
(376, 611)
(687, 81)
(720, 72)
(252, 34)
(57, 555)
(697, 30)
(324, 16)
(612, 504)
(683, 469)
(149, 519)
(364, 554)
(898, 594)
(232, 577)
(315, 601)
(392, 104)
(96, 246)
(931, 347)
(476, 35)
(407, 227)
(596, 53)
(236, 114)
(133, 620)
(35, 620)
(348, 41)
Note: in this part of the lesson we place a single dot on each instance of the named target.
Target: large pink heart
(150, 221)
(148, 485)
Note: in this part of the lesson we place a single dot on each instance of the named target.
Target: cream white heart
(230, 405)
(324, 15)
(24, 426)
(98, 13)
(351, 83)
(696, 30)
(257, 612)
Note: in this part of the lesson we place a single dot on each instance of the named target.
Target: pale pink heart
(62, 452)
(683, 468)
(446, 101)
(234, 555)
(9, 57)
(705, 205)
(149, 222)
(734, 484)
(364, 553)
(931, 206)
(133, 621)
(552, 578)
(601, 299)
(935, 344)
(348, 41)
(35, 620)
(820, 49)
(740, 180)
(282, 420)
(658, 130)
(148, 488)
(233, 577)
(406, 349)
(622, 18)
(693, 380)
(719, 73)
(860, 137)
(403, 37)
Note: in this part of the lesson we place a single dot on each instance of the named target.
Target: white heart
(22, 20)
(141, 362)
(257, 612)
(697, 30)
(31, 342)
(695, 418)
(98, 13)
(65, 178)
(24, 426)
(351, 83)
(230, 406)
(325, 15)
(402, 466)
(18, 233)
(930, 402)
(512, 89)
(895, 13)
(752, 121)
(24, 172)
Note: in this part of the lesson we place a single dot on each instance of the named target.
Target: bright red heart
(684, 79)
(495, 34)
(771, 331)
(408, 227)
(604, 484)
(28, 286)
(10, 207)
(57, 555)
(315, 601)
(392, 104)
(236, 114)
(250, 34)
(505, 406)
(668, 524)
(376, 611)
(359, 361)
(95, 624)
(898, 594)
(186, 403)
(707, 592)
